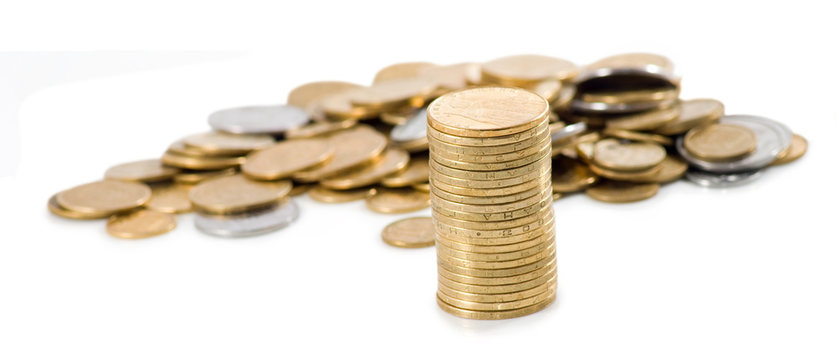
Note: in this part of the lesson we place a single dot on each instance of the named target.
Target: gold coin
(488, 141)
(319, 129)
(571, 175)
(339, 106)
(524, 70)
(495, 236)
(569, 149)
(179, 148)
(487, 112)
(415, 232)
(585, 151)
(236, 194)
(635, 156)
(548, 89)
(56, 209)
(354, 147)
(544, 151)
(491, 273)
(638, 136)
(490, 184)
(397, 201)
(424, 187)
(329, 196)
(540, 164)
(490, 200)
(495, 281)
(306, 95)
(397, 117)
(195, 177)
(632, 176)
(621, 192)
(287, 157)
(170, 198)
(104, 198)
(219, 143)
(693, 113)
(404, 70)
(496, 258)
(415, 173)
(140, 224)
(509, 210)
(494, 315)
(556, 196)
(720, 142)
(491, 158)
(797, 149)
(565, 96)
(200, 162)
(498, 306)
(489, 192)
(672, 169)
(394, 94)
(524, 144)
(496, 224)
(630, 96)
(300, 189)
(392, 161)
(647, 120)
(144, 170)
(452, 77)
(495, 298)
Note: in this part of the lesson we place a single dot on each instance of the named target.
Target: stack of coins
(491, 202)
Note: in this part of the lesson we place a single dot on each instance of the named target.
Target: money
(249, 223)
(415, 232)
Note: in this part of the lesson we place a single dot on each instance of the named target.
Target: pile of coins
(491, 202)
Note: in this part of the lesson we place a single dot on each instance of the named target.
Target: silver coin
(273, 119)
(249, 224)
(569, 131)
(772, 138)
(715, 180)
(413, 129)
(600, 107)
(650, 70)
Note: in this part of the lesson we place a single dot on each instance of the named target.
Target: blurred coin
(104, 198)
(56, 209)
(415, 173)
(635, 156)
(397, 201)
(401, 71)
(424, 187)
(722, 180)
(144, 171)
(319, 128)
(797, 149)
(200, 162)
(720, 142)
(692, 113)
(622, 108)
(219, 143)
(170, 198)
(306, 96)
(637, 136)
(329, 196)
(621, 192)
(494, 315)
(411, 135)
(453, 77)
(672, 169)
(571, 175)
(631, 176)
(415, 232)
(140, 224)
(287, 157)
(646, 120)
(391, 161)
(634, 95)
(354, 147)
(194, 177)
(394, 94)
(274, 119)
(250, 223)
(631, 64)
(527, 70)
(237, 193)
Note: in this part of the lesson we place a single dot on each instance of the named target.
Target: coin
(637, 136)
(499, 235)
(692, 113)
(534, 139)
(319, 129)
(411, 135)
(300, 189)
(524, 200)
(634, 95)
(307, 95)
(236, 194)
(453, 77)
(489, 175)
(490, 184)
(394, 94)
(495, 259)
(391, 161)
(488, 141)
(543, 152)
(496, 298)
(415, 173)
(170, 198)
(568, 131)
(424, 187)
(287, 157)
(634, 156)
(444, 208)
(200, 162)
(104, 198)
(250, 223)
(631, 176)
(641, 64)
(195, 177)
(218, 143)
(571, 175)
(397, 201)
(490, 273)
(722, 180)
(329, 196)
(523, 153)
(144, 170)
(772, 139)
(489, 192)
(487, 112)
(494, 315)
(496, 281)
(526, 70)
(56, 209)
(646, 120)
(404, 70)
(501, 306)
(672, 169)
(720, 142)
(489, 200)
(622, 108)
(273, 119)
(339, 106)
(621, 192)
(501, 224)
(495, 249)
(415, 232)
(140, 224)
(797, 149)
(354, 147)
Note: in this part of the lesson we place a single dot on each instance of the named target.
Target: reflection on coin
(143, 170)
(720, 142)
(274, 119)
(415, 173)
(636, 156)
(391, 161)
(415, 232)
(329, 196)
(692, 113)
(353, 147)
(401, 71)
(397, 201)
(104, 198)
(170, 198)
(797, 149)
(623, 108)
(715, 180)
(236, 193)
(219, 143)
(287, 157)
(140, 224)
(251, 223)
(621, 192)
(568, 131)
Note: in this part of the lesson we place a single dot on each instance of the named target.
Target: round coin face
(140, 224)
(720, 142)
(415, 232)
(353, 147)
(144, 170)
(715, 180)
(236, 193)
(401, 71)
(487, 112)
(614, 155)
(287, 157)
(391, 161)
(251, 223)
(518, 70)
(104, 198)
(170, 198)
(274, 119)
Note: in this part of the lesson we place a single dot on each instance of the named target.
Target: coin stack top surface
(490, 152)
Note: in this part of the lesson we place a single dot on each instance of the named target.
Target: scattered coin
(140, 224)
(319, 128)
(720, 142)
(218, 143)
(144, 171)
(398, 201)
(170, 198)
(250, 223)
(717, 180)
(621, 192)
(527, 70)
(692, 113)
(797, 149)
(404, 70)
(391, 161)
(415, 232)
(415, 173)
(571, 175)
(646, 120)
(236, 193)
(411, 135)
(634, 156)
(56, 209)
(638, 136)
(275, 119)
(195, 177)
(353, 148)
(104, 198)
(287, 157)
(200, 163)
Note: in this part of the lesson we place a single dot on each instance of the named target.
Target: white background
(744, 273)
